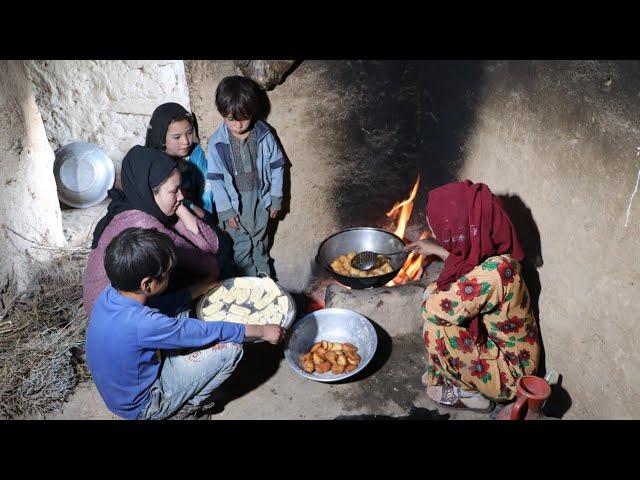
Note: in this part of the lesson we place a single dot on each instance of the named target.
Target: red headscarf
(470, 223)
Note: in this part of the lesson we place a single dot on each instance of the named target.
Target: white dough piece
(213, 308)
(242, 295)
(218, 316)
(255, 318)
(264, 301)
(283, 304)
(256, 294)
(217, 294)
(270, 286)
(235, 309)
(230, 295)
(241, 282)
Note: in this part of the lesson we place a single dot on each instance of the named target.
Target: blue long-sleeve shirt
(122, 338)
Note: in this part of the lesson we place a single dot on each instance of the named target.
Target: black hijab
(160, 121)
(142, 169)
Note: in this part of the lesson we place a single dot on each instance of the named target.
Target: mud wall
(29, 209)
(560, 141)
(107, 102)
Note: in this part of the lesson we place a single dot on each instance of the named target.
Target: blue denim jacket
(269, 161)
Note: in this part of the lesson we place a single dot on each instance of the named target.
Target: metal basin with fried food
(334, 325)
(358, 240)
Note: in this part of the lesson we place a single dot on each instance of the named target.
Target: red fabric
(469, 222)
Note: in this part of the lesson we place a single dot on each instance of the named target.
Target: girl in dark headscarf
(479, 330)
(174, 130)
(151, 198)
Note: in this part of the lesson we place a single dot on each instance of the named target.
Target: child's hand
(272, 333)
(273, 213)
(233, 222)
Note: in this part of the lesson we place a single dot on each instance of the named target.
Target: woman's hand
(188, 218)
(426, 247)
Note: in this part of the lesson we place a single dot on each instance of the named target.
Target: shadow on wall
(410, 118)
(529, 236)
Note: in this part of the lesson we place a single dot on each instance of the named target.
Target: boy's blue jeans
(190, 378)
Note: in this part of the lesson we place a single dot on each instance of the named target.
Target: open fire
(414, 266)
(412, 269)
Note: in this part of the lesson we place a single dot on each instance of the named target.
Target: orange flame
(413, 267)
(403, 210)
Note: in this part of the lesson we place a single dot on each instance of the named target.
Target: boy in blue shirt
(123, 335)
(245, 174)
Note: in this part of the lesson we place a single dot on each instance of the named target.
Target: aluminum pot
(357, 240)
(84, 173)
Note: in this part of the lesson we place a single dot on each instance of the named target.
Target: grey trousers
(250, 238)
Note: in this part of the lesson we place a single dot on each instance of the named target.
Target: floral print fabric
(496, 293)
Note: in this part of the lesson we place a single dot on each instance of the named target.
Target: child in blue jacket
(245, 174)
(124, 334)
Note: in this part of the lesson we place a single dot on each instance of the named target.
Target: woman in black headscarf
(174, 130)
(151, 197)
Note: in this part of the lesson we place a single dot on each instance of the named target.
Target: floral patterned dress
(495, 291)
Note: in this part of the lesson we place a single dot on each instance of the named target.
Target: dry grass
(42, 332)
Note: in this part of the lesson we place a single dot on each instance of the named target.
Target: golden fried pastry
(331, 357)
(349, 347)
(342, 266)
(323, 367)
(335, 356)
(353, 358)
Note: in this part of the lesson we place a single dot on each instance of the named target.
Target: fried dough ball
(324, 355)
(323, 367)
(353, 358)
(331, 357)
(349, 347)
(305, 358)
(342, 266)
(350, 368)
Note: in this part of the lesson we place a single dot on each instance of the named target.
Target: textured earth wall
(29, 207)
(107, 102)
